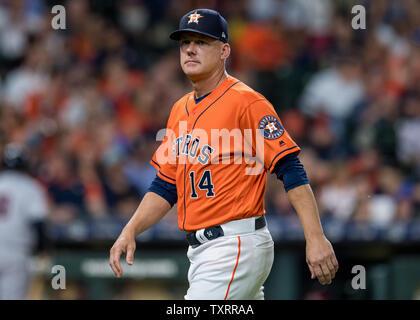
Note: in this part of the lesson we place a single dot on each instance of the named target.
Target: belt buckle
(209, 233)
(213, 232)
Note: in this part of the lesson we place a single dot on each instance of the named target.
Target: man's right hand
(151, 209)
(126, 243)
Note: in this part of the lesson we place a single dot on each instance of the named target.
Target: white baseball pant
(232, 267)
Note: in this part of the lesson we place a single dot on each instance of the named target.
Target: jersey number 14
(204, 184)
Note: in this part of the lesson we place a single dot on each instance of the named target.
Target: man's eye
(200, 42)
(185, 42)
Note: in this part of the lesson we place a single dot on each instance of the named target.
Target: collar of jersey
(198, 100)
(215, 94)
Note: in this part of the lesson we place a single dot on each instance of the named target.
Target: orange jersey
(218, 152)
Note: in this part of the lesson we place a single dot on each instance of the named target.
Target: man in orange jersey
(218, 186)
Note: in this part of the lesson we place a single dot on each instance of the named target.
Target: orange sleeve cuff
(161, 174)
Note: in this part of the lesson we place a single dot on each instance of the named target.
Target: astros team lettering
(187, 146)
(223, 145)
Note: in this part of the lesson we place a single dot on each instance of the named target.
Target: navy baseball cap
(203, 21)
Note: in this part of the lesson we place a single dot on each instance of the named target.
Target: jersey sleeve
(267, 132)
(164, 159)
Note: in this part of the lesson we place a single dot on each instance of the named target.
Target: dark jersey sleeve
(165, 189)
(290, 170)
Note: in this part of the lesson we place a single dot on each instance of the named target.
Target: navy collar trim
(197, 100)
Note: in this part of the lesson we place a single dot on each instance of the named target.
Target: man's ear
(225, 51)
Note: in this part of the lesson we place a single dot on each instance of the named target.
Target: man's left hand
(321, 260)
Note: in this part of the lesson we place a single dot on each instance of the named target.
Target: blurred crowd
(88, 101)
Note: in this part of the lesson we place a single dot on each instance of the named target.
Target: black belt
(215, 232)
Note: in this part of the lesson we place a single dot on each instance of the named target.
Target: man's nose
(191, 48)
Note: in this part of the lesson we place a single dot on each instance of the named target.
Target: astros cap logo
(194, 17)
(213, 25)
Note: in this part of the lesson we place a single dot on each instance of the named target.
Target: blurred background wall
(87, 102)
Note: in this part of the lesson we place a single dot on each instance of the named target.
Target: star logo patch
(270, 127)
(194, 17)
